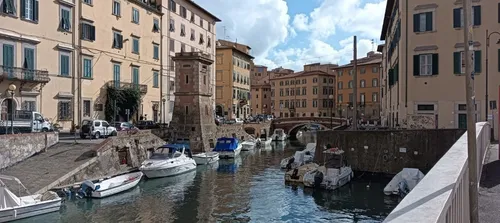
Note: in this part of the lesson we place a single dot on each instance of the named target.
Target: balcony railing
(121, 85)
(21, 74)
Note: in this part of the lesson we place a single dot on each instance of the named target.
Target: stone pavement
(489, 189)
(43, 169)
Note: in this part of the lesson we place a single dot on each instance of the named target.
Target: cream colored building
(423, 81)
(260, 84)
(187, 27)
(233, 65)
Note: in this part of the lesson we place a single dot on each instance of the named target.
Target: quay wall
(18, 147)
(389, 151)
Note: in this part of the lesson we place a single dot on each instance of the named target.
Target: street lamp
(488, 35)
(330, 104)
(12, 90)
(163, 118)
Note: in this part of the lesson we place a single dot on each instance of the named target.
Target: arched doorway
(219, 111)
(8, 105)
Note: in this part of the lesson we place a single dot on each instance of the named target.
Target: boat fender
(318, 179)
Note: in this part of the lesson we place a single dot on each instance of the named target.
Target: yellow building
(260, 84)
(233, 65)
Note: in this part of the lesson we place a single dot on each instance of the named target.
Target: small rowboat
(206, 158)
(111, 186)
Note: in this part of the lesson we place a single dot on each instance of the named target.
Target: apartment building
(368, 88)
(260, 90)
(233, 65)
(187, 27)
(423, 66)
(309, 93)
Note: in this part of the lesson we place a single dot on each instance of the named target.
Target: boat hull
(118, 189)
(297, 175)
(329, 182)
(264, 143)
(247, 146)
(207, 159)
(169, 171)
(230, 154)
(20, 212)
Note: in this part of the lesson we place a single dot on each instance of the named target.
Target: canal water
(248, 189)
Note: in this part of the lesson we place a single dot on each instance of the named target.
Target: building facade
(233, 65)
(187, 27)
(368, 88)
(423, 66)
(261, 91)
(310, 93)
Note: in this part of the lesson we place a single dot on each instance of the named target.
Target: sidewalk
(489, 188)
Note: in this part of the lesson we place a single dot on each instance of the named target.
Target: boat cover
(226, 145)
(8, 199)
(408, 178)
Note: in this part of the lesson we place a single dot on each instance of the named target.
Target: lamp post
(330, 104)
(12, 90)
(163, 118)
(488, 35)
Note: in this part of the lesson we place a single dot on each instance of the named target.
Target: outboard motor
(289, 164)
(318, 179)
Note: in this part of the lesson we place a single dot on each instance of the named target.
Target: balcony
(24, 75)
(121, 85)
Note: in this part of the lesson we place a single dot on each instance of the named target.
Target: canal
(248, 189)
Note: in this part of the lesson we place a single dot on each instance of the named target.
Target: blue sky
(291, 33)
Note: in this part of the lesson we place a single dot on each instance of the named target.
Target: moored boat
(403, 182)
(206, 158)
(248, 145)
(300, 158)
(169, 160)
(14, 208)
(296, 175)
(111, 186)
(332, 175)
(227, 148)
(279, 135)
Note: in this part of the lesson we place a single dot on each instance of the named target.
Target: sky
(291, 33)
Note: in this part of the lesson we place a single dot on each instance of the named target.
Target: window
(183, 12)
(172, 86)
(340, 85)
(187, 79)
(29, 105)
(29, 9)
(117, 40)
(183, 47)
(64, 110)
(201, 39)
(172, 25)
(156, 79)
(422, 22)
(135, 15)
(116, 74)
(183, 30)
(65, 19)
(304, 91)
(315, 103)
(87, 108)
(156, 51)
(88, 32)
(374, 97)
(351, 97)
(9, 7)
(201, 22)
(362, 83)
(362, 70)
(374, 69)
(28, 62)
(135, 45)
(425, 107)
(339, 98)
(209, 42)
(458, 16)
(459, 62)
(172, 6)
(350, 84)
(172, 45)
(89, 2)
(9, 55)
(116, 8)
(87, 67)
(315, 90)
(135, 76)
(156, 25)
(425, 64)
(374, 82)
(64, 63)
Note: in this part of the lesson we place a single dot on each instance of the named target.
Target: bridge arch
(292, 132)
(250, 130)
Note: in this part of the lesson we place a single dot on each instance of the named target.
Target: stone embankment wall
(389, 151)
(18, 147)
(117, 154)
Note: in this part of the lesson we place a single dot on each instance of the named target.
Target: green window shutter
(435, 64)
(456, 18)
(416, 23)
(396, 73)
(477, 15)
(428, 21)
(477, 61)
(23, 9)
(457, 63)
(416, 65)
(35, 10)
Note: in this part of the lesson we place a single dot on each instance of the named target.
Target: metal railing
(18, 73)
(443, 195)
(143, 88)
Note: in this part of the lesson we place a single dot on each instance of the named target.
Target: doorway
(462, 121)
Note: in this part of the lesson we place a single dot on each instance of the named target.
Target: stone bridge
(293, 125)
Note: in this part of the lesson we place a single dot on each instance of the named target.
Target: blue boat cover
(226, 144)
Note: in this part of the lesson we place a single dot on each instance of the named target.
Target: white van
(96, 129)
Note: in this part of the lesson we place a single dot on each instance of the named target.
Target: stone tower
(193, 115)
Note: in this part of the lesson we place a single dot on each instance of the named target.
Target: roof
(387, 18)
(235, 49)
(302, 74)
(375, 61)
(203, 10)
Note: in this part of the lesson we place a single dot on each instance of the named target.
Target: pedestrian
(141, 118)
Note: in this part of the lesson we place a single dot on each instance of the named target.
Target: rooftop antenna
(373, 45)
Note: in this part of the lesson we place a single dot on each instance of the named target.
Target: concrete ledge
(18, 147)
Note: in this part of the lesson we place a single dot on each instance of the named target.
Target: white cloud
(300, 22)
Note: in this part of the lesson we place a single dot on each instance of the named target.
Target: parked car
(147, 124)
(124, 126)
(238, 120)
(96, 129)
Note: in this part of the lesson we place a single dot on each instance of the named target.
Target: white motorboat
(228, 148)
(404, 182)
(248, 145)
(169, 160)
(279, 135)
(206, 158)
(332, 175)
(111, 186)
(13, 207)
(300, 158)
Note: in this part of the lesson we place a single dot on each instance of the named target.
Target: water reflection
(229, 165)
